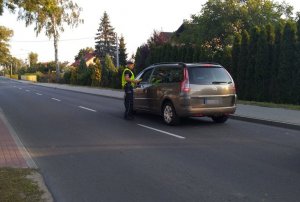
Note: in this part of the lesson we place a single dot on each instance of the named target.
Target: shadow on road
(188, 121)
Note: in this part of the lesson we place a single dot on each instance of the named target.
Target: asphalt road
(87, 152)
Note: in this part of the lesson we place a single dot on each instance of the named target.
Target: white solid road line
(161, 131)
(56, 99)
(92, 110)
(38, 94)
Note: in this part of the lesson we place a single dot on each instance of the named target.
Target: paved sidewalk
(271, 116)
(10, 154)
(266, 115)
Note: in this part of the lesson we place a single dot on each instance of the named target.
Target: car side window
(175, 75)
(159, 75)
(145, 76)
(167, 75)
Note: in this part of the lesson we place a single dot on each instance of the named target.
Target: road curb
(79, 91)
(266, 122)
(68, 89)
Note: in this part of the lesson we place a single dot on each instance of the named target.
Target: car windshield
(208, 75)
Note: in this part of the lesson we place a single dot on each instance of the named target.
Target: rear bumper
(196, 106)
(198, 112)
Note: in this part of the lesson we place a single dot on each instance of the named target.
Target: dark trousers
(128, 101)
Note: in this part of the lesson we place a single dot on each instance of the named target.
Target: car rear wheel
(219, 119)
(169, 114)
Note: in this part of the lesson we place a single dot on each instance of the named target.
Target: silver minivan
(175, 90)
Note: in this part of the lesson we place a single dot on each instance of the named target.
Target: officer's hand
(138, 81)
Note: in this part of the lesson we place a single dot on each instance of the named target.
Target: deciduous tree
(5, 35)
(33, 59)
(51, 16)
(219, 20)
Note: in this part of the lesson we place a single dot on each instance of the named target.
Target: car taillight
(185, 84)
(233, 88)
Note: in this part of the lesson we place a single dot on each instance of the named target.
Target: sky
(134, 20)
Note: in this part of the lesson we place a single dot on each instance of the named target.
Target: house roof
(185, 26)
(86, 58)
(165, 36)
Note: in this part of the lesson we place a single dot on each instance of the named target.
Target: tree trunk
(56, 57)
(55, 37)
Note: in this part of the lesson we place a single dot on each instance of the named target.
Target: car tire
(169, 114)
(219, 119)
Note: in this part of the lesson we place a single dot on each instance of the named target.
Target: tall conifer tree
(196, 54)
(142, 54)
(298, 61)
(96, 75)
(287, 68)
(268, 69)
(250, 82)
(122, 52)
(174, 53)
(167, 52)
(105, 39)
(274, 84)
(236, 49)
(261, 64)
(242, 65)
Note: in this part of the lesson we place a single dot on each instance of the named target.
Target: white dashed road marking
(56, 99)
(38, 93)
(87, 108)
(161, 131)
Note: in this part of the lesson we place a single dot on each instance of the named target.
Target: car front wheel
(219, 119)
(169, 114)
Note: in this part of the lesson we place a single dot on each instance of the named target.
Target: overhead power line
(43, 41)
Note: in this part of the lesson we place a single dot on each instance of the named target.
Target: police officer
(128, 83)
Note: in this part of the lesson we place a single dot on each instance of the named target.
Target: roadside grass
(269, 104)
(15, 186)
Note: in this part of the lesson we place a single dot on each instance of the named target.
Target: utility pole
(117, 52)
(10, 70)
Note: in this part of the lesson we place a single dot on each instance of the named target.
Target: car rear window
(208, 75)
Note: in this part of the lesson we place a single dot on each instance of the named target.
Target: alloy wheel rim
(168, 114)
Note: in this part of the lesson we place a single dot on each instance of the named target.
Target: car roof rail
(166, 63)
(183, 63)
(212, 63)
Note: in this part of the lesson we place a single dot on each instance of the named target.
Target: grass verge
(15, 186)
(269, 104)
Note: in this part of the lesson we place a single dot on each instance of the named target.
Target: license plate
(212, 101)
